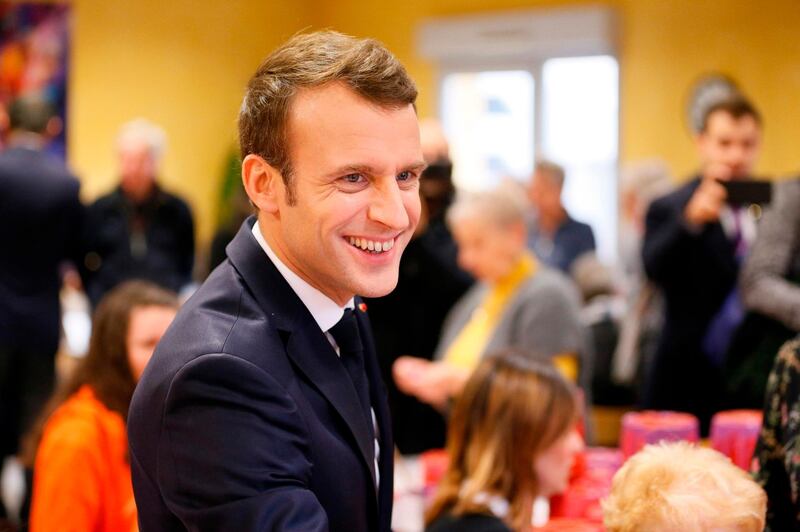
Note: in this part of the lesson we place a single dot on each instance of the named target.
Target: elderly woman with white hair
(677, 486)
(517, 301)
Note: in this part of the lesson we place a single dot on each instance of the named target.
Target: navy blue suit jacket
(41, 221)
(245, 418)
(696, 270)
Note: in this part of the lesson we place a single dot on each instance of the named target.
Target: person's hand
(408, 371)
(706, 203)
(430, 382)
(72, 280)
(439, 383)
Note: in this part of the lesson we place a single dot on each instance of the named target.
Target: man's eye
(353, 178)
(405, 176)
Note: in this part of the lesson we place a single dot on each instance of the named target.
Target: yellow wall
(666, 45)
(184, 64)
(180, 63)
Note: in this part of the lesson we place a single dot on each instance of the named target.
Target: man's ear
(262, 182)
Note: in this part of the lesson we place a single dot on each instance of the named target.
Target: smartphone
(743, 192)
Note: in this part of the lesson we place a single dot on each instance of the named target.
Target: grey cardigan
(543, 318)
(774, 257)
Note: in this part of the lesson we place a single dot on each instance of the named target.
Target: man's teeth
(371, 245)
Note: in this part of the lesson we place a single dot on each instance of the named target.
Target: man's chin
(378, 288)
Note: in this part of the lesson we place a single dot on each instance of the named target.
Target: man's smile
(375, 246)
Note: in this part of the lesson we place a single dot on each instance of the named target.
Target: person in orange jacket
(79, 447)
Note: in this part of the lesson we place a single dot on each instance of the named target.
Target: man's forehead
(336, 117)
(722, 120)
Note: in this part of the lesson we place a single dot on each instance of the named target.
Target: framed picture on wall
(34, 46)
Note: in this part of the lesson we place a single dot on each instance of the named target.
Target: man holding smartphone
(693, 246)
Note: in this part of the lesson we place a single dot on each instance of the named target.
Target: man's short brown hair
(312, 60)
(735, 106)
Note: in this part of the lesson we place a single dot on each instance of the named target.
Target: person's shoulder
(112, 199)
(172, 200)
(789, 353)
(222, 318)
(468, 523)
(550, 281)
(79, 422)
(577, 225)
(38, 167)
(678, 196)
(787, 192)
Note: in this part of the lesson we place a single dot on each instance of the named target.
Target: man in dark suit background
(262, 407)
(693, 246)
(41, 219)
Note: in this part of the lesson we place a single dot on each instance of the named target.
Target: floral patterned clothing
(776, 462)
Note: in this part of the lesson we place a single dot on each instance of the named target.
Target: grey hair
(503, 206)
(143, 131)
(648, 179)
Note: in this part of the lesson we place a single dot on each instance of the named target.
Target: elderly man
(138, 231)
(555, 237)
(262, 408)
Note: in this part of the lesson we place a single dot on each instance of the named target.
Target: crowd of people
(138, 231)
(487, 315)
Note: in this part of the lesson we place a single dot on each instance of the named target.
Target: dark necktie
(351, 353)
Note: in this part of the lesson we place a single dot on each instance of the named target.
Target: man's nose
(387, 207)
(737, 154)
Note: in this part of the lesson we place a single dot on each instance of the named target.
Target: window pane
(488, 119)
(580, 113)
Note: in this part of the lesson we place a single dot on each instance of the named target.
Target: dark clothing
(153, 240)
(696, 270)
(777, 462)
(467, 523)
(409, 321)
(571, 240)
(41, 221)
(245, 418)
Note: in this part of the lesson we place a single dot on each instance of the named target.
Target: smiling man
(262, 408)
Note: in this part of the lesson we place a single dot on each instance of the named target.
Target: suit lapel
(313, 355)
(307, 346)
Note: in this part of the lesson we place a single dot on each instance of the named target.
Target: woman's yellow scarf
(467, 347)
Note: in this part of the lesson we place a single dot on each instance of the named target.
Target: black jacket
(41, 219)
(163, 254)
(696, 270)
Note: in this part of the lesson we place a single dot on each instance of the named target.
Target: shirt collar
(323, 309)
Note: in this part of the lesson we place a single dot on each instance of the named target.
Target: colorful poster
(34, 40)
